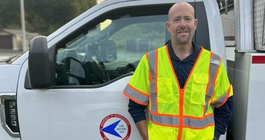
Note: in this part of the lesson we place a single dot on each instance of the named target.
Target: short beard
(181, 41)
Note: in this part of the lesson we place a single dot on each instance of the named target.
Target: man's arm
(222, 116)
(142, 128)
(138, 114)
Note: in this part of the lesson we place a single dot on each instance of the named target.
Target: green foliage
(42, 16)
(9, 14)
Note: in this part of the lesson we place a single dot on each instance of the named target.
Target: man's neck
(182, 50)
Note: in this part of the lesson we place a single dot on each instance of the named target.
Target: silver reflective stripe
(136, 95)
(188, 122)
(216, 62)
(199, 123)
(152, 61)
(221, 100)
(165, 120)
(213, 71)
(215, 57)
(152, 67)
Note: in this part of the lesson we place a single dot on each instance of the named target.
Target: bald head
(180, 6)
(181, 23)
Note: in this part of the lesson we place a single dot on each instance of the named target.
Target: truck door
(90, 68)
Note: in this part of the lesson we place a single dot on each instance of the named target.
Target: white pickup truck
(69, 85)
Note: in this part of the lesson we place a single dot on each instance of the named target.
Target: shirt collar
(192, 57)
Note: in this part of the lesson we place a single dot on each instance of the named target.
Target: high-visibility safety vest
(179, 113)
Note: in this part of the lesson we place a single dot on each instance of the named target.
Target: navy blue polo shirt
(182, 69)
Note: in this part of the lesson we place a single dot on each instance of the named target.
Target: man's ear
(195, 22)
(168, 26)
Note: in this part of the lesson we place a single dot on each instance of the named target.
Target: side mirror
(108, 51)
(39, 63)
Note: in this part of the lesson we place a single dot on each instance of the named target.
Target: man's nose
(182, 23)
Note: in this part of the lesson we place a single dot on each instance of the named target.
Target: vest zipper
(181, 104)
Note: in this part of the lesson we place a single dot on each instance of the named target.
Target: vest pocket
(158, 132)
(198, 90)
(164, 90)
(200, 134)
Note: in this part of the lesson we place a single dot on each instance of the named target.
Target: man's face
(181, 24)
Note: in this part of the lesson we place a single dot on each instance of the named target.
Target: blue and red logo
(115, 127)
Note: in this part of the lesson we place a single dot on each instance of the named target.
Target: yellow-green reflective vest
(175, 113)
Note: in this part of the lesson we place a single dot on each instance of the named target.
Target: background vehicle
(69, 85)
(246, 70)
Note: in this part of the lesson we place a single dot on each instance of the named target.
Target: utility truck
(69, 85)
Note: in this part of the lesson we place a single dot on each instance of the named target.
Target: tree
(42, 16)
(9, 14)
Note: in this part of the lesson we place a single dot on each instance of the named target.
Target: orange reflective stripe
(198, 118)
(209, 76)
(181, 103)
(219, 102)
(226, 98)
(205, 108)
(156, 73)
(166, 115)
(138, 102)
(138, 91)
(150, 79)
(136, 95)
(195, 64)
(199, 127)
(172, 68)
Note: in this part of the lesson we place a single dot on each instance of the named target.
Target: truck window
(110, 46)
(108, 51)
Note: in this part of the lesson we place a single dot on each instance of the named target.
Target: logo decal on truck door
(115, 127)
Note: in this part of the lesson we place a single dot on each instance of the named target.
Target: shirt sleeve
(138, 87)
(137, 111)
(222, 100)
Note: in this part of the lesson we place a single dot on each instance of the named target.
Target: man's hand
(142, 128)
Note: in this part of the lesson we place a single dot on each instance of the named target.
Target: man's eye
(177, 20)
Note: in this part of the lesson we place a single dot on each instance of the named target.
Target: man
(180, 83)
